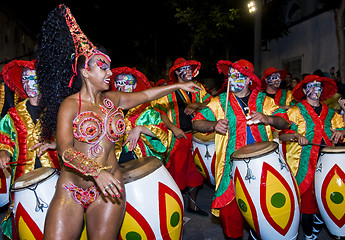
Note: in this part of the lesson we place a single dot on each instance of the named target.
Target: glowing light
(251, 7)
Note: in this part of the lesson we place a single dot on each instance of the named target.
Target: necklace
(245, 106)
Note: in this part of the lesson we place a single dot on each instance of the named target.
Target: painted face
(274, 80)
(185, 73)
(102, 64)
(237, 80)
(313, 90)
(29, 82)
(125, 83)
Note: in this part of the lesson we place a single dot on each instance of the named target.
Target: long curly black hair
(54, 68)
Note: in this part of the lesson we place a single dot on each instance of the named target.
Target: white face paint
(29, 79)
(313, 90)
(274, 80)
(125, 83)
(185, 73)
(237, 80)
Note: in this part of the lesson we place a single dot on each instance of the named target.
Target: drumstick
(20, 161)
(227, 100)
(316, 144)
(310, 143)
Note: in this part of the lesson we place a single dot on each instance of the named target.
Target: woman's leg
(104, 216)
(64, 218)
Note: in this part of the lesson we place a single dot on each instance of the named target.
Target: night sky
(141, 34)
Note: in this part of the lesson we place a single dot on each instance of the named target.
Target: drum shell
(330, 181)
(149, 198)
(28, 221)
(204, 156)
(272, 178)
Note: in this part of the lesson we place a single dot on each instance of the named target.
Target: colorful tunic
(7, 99)
(304, 120)
(18, 133)
(168, 105)
(145, 115)
(237, 136)
(283, 97)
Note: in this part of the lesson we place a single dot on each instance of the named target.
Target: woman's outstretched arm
(129, 100)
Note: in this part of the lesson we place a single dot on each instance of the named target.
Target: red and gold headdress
(82, 44)
(329, 87)
(243, 66)
(181, 62)
(12, 74)
(142, 82)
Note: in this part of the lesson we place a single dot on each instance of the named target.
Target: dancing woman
(87, 121)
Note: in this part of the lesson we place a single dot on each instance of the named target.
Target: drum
(266, 192)
(32, 194)
(5, 182)
(330, 188)
(154, 206)
(204, 155)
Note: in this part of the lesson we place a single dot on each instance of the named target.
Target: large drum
(330, 188)
(33, 193)
(5, 182)
(204, 155)
(154, 207)
(266, 192)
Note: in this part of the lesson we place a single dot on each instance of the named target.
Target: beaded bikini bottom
(81, 196)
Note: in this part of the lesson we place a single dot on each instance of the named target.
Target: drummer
(271, 81)
(248, 119)
(312, 124)
(176, 111)
(146, 134)
(20, 129)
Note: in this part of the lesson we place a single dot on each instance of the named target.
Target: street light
(251, 6)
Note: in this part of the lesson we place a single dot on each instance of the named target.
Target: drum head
(203, 137)
(254, 150)
(35, 176)
(336, 149)
(139, 168)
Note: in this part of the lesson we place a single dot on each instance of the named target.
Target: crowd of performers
(69, 110)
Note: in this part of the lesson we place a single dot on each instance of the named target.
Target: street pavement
(203, 228)
(209, 228)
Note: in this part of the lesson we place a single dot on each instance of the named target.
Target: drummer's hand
(257, 117)
(179, 133)
(189, 86)
(4, 158)
(191, 108)
(133, 136)
(302, 140)
(222, 126)
(43, 146)
(341, 102)
(108, 184)
(336, 136)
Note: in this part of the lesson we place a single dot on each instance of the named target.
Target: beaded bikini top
(89, 127)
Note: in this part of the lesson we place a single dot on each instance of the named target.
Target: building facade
(311, 43)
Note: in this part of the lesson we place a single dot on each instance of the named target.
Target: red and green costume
(142, 115)
(168, 105)
(283, 97)
(145, 115)
(305, 121)
(18, 133)
(236, 137)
